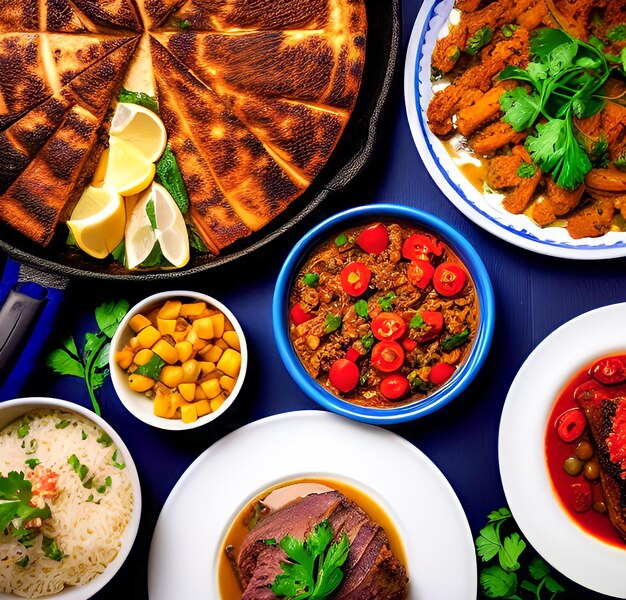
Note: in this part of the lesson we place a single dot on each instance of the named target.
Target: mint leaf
(169, 176)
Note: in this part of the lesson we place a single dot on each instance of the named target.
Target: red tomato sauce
(557, 451)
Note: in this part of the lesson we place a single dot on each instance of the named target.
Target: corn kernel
(213, 355)
(148, 336)
(184, 349)
(193, 309)
(143, 356)
(124, 358)
(200, 345)
(218, 324)
(221, 344)
(181, 336)
(228, 326)
(163, 407)
(192, 336)
(206, 367)
(166, 326)
(227, 383)
(200, 395)
(187, 391)
(191, 371)
(171, 375)
(232, 339)
(140, 383)
(188, 413)
(138, 322)
(211, 388)
(170, 310)
(203, 407)
(166, 351)
(217, 402)
(230, 362)
(204, 328)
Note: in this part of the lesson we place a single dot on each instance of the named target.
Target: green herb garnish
(22, 562)
(33, 445)
(195, 241)
(340, 240)
(454, 341)
(509, 30)
(50, 549)
(117, 465)
(418, 384)
(417, 322)
(152, 368)
(311, 279)
(15, 493)
(480, 39)
(617, 34)
(140, 98)
(119, 253)
(620, 162)
(83, 435)
(386, 301)
(182, 23)
(332, 322)
(105, 439)
(526, 170)
(32, 462)
(24, 429)
(92, 364)
(90, 499)
(83, 471)
(314, 568)
(170, 177)
(361, 308)
(368, 340)
(62, 424)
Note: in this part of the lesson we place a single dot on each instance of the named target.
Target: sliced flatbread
(109, 13)
(154, 12)
(39, 15)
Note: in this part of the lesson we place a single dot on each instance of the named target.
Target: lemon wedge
(101, 168)
(141, 127)
(156, 219)
(98, 220)
(127, 169)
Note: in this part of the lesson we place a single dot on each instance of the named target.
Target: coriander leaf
(97, 379)
(561, 57)
(62, 424)
(330, 575)
(81, 470)
(520, 108)
(547, 147)
(152, 368)
(102, 359)
(596, 42)
(617, 34)
(417, 322)
(480, 39)
(368, 340)
(497, 583)
(512, 548)
(526, 170)
(499, 515)
(528, 586)
(105, 439)
(538, 569)
(620, 163)
(24, 429)
(63, 364)
(50, 549)
(115, 463)
(15, 487)
(109, 315)
(170, 177)
(93, 343)
(32, 462)
(361, 308)
(140, 98)
(512, 72)
(70, 345)
(545, 40)
(488, 542)
(454, 341)
(553, 586)
(332, 322)
(386, 301)
(340, 240)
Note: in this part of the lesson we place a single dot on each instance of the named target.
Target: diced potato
(124, 358)
(166, 351)
(184, 349)
(232, 339)
(171, 375)
(203, 407)
(227, 383)
(204, 328)
(211, 388)
(206, 367)
(148, 336)
(193, 309)
(139, 322)
(170, 310)
(166, 326)
(163, 407)
(218, 324)
(191, 371)
(143, 356)
(200, 395)
(187, 391)
(140, 383)
(213, 355)
(221, 344)
(217, 402)
(188, 413)
(192, 336)
(230, 362)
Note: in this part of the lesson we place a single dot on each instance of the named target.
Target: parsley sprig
(506, 577)
(314, 568)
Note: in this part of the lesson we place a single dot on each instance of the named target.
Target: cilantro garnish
(50, 549)
(314, 568)
(92, 364)
(16, 492)
(362, 309)
(116, 464)
(24, 429)
(152, 368)
(417, 322)
(32, 462)
(341, 239)
(83, 471)
(386, 301)
(617, 34)
(170, 177)
(62, 424)
(480, 39)
(104, 439)
(454, 341)
(332, 322)
(526, 170)
(368, 340)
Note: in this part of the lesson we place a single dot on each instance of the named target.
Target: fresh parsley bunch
(566, 79)
(505, 577)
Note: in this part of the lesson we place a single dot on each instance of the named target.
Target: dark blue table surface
(534, 295)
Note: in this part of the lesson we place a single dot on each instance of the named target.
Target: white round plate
(186, 544)
(521, 449)
(516, 229)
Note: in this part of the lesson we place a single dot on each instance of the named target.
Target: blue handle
(27, 317)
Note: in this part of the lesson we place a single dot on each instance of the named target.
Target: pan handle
(30, 303)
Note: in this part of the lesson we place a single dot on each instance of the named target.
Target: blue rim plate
(463, 376)
(516, 229)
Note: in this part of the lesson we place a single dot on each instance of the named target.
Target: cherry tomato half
(420, 273)
(408, 344)
(355, 277)
(299, 315)
(373, 239)
(387, 356)
(449, 279)
(388, 326)
(440, 373)
(589, 393)
(571, 424)
(420, 247)
(579, 495)
(394, 387)
(344, 375)
(433, 324)
(609, 371)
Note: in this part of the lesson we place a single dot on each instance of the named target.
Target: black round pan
(352, 152)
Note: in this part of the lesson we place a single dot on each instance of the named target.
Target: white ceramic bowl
(14, 409)
(138, 403)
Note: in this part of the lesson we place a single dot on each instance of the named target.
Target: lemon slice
(127, 169)
(141, 127)
(98, 220)
(156, 219)
(101, 168)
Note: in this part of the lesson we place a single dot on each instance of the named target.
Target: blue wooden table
(534, 295)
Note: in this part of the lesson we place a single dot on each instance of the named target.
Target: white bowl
(14, 409)
(138, 403)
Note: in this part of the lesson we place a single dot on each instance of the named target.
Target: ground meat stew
(383, 314)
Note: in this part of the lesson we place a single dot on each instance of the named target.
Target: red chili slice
(394, 387)
(440, 373)
(408, 344)
(344, 375)
(355, 277)
(609, 371)
(571, 424)
(352, 354)
(373, 239)
(449, 279)
(420, 247)
(420, 273)
(580, 496)
(299, 315)
(433, 321)
(387, 356)
(388, 326)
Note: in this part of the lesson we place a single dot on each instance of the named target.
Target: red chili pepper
(440, 373)
(373, 239)
(433, 321)
(355, 277)
(609, 371)
(580, 496)
(420, 273)
(344, 375)
(571, 424)
(388, 326)
(352, 354)
(394, 387)
(408, 344)
(387, 356)
(420, 247)
(449, 279)
(298, 314)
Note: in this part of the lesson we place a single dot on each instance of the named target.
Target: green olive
(599, 507)
(584, 450)
(573, 466)
(591, 470)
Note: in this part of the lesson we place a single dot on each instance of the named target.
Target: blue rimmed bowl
(421, 220)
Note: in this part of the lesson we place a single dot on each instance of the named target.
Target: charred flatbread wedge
(109, 13)
(153, 12)
(607, 420)
(253, 183)
(39, 15)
